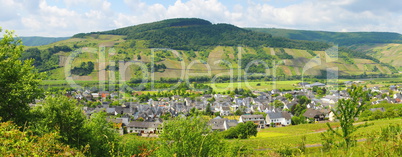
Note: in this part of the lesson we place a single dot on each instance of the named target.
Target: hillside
(198, 50)
(198, 34)
(38, 41)
(340, 38)
(387, 53)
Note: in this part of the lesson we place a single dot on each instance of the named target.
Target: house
(289, 105)
(256, 119)
(224, 110)
(222, 124)
(348, 83)
(317, 84)
(278, 118)
(328, 114)
(375, 89)
(393, 88)
(377, 109)
(144, 127)
(175, 97)
(314, 114)
(303, 84)
(95, 95)
(104, 94)
(398, 97)
(114, 95)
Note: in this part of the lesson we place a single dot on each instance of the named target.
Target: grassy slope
(388, 53)
(194, 67)
(271, 138)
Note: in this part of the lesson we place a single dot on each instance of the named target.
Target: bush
(189, 136)
(14, 142)
(242, 131)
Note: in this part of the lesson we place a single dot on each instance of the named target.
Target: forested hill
(198, 34)
(341, 38)
(38, 41)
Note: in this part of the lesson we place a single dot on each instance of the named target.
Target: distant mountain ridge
(341, 38)
(197, 34)
(39, 41)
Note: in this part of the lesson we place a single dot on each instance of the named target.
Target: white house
(144, 127)
(256, 119)
(279, 118)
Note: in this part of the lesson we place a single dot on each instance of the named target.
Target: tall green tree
(63, 115)
(103, 140)
(19, 82)
(59, 114)
(346, 112)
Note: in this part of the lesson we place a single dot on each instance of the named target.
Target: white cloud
(9, 10)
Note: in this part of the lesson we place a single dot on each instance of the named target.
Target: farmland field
(271, 138)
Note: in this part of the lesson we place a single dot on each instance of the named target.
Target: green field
(272, 138)
(264, 85)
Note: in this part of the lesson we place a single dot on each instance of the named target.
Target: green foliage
(103, 139)
(45, 59)
(194, 138)
(259, 67)
(61, 114)
(198, 34)
(208, 110)
(346, 112)
(238, 112)
(85, 68)
(278, 104)
(286, 150)
(133, 145)
(289, 96)
(241, 131)
(283, 55)
(300, 108)
(311, 53)
(382, 142)
(18, 81)
(14, 142)
(296, 120)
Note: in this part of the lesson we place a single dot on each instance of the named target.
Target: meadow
(269, 139)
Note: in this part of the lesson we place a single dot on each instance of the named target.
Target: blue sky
(68, 17)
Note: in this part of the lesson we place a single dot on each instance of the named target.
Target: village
(267, 109)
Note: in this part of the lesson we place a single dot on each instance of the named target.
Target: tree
(61, 114)
(277, 104)
(242, 131)
(238, 112)
(346, 112)
(208, 110)
(19, 82)
(189, 136)
(303, 100)
(289, 96)
(194, 112)
(103, 139)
